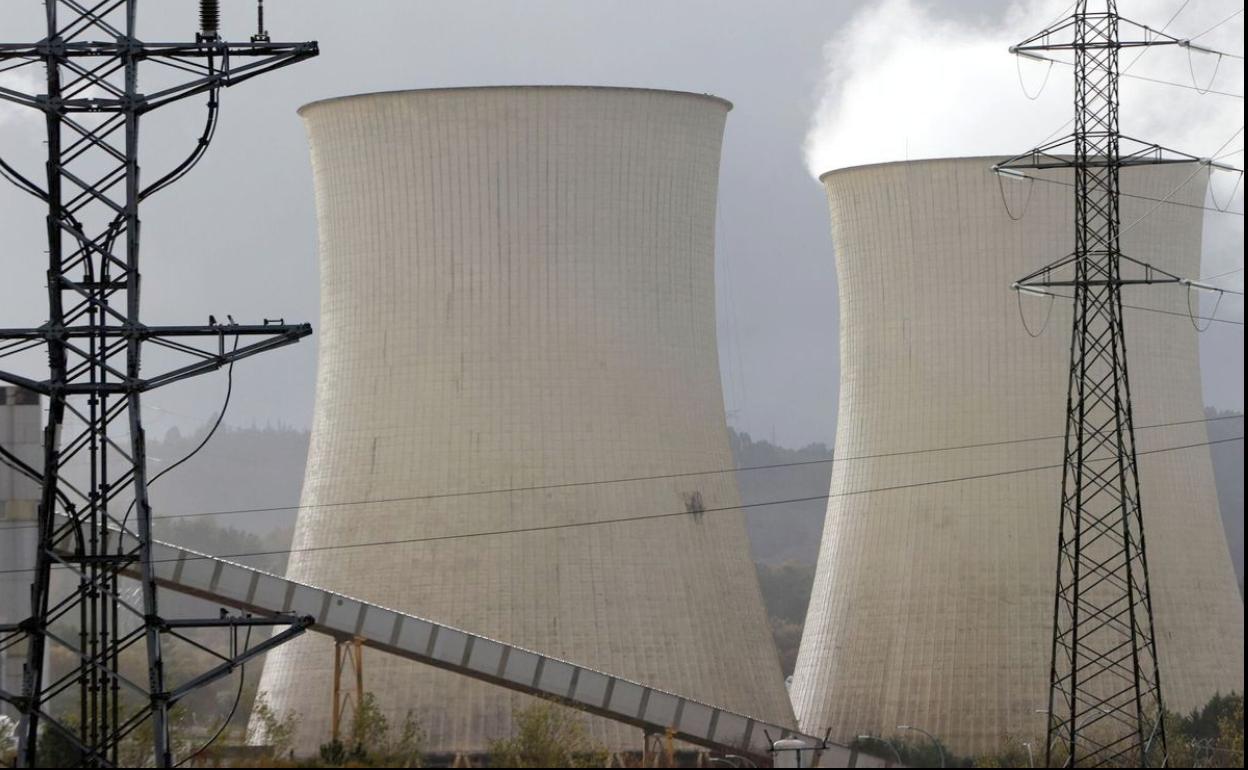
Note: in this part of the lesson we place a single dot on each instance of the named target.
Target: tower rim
(987, 158)
(728, 105)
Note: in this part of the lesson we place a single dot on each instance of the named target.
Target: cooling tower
(518, 303)
(933, 598)
(21, 435)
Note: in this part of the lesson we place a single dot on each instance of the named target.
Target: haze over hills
(254, 467)
(243, 469)
(1228, 470)
(262, 468)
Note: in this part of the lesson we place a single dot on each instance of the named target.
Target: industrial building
(933, 599)
(517, 318)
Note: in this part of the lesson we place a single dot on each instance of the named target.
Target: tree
(279, 733)
(371, 744)
(408, 750)
(8, 740)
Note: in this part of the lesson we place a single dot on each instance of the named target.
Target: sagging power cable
(673, 514)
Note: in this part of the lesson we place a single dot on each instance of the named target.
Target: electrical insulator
(262, 34)
(209, 19)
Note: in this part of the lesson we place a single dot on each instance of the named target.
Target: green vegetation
(370, 743)
(548, 735)
(784, 555)
(1210, 736)
(8, 741)
(277, 732)
(786, 592)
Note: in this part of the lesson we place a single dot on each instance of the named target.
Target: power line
(1223, 275)
(1131, 64)
(654, 516)
(1215, 26)
(658, 477)
(1051, 61)
(1176, 84)
(1189, 316)
(1201, 207)
(1180, 186)
(225, 404)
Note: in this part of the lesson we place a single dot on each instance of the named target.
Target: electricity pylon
(1105, 698)
(94, 339)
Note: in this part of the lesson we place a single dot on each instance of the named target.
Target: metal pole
(935, 742)
(886, 742)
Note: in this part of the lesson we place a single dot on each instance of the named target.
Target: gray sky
(238, 235)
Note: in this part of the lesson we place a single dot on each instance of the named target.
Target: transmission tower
(1105, 700)
(94, 340)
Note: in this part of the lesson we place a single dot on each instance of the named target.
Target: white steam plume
(905, 79)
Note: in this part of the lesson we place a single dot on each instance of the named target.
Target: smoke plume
(906, 79)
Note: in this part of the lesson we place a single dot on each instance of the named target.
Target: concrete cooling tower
(21, 435)
(933, 599)
(517, 303)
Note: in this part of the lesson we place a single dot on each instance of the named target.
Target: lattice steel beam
(94, 339)
(1105, 699)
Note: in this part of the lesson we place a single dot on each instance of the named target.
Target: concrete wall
(518, 291)
(933, 605)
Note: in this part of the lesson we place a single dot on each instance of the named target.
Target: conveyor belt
(434, 644)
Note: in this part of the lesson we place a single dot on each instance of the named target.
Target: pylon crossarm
(146, 333)
(19, 98)
(1122, 282)
(296, 627)
(1042, 40)
(1046, 156)
(232, 623)
(1146, 36)
(274, 336)
(25, 382)
(278, 336)
(1043, 276)
(221, 72)
(1061, 154)
(277, 55)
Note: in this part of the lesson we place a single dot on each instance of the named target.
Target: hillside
(788, 532)
(247, 468)
(1228, 472)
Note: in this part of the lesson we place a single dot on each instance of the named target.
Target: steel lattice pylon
(1105, 701)
(94, 340)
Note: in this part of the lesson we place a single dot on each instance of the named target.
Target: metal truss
(1105, 701)
(94, 341)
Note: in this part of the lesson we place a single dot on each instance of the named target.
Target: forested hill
(1228, 471)
(239, 468)
(262, 467)
(788, 532)
(249, 468)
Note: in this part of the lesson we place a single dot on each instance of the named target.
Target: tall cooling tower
(518, 297)
(21, 434)
(933, 599)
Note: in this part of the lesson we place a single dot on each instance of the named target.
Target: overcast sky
(815, 85)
